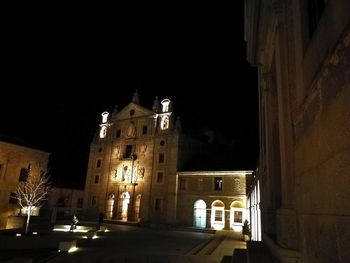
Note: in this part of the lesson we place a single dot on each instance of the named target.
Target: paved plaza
(138, 244)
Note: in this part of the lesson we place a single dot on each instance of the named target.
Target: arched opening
(137, 207)
(124, 201)
(218, 215)
(236, 215)
(200, 213)
(110, 205)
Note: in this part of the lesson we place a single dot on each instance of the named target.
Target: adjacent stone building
(133, 172)
(63, 203)
(211, 199)
(301, 188)
(15, 160)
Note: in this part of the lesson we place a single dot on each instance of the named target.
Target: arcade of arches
(212, 199)
(213, 216)
(120, 209)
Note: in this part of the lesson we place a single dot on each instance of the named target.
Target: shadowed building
(15, 159)
(63, 203)
(301, 188)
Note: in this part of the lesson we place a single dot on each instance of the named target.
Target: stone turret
(156, 105)
(135, 97)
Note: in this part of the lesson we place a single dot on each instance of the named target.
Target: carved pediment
(133, 110)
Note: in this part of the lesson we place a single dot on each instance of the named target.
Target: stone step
(259, 252)
(239, 256)
(226, 259)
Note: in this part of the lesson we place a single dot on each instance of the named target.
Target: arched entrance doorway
(200, 213)
(137, 207)
(236, 215)
(110, 205)
(218, 215)
(124, 201)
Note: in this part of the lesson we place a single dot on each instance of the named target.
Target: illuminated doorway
(218, 215)
(137, 207)
(110, 205)
(236, 215)
(123, 206)
(200, 213)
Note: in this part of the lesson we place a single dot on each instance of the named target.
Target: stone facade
(133, 161)
(215, 199)
(14, 162)
(302, 50)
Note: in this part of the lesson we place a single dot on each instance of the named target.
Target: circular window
(162, 143)
(132, 112)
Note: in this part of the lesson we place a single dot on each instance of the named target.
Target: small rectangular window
(160, 176)
(161, 158)
(144, 130)
(128, 151)
(93, 200)
(23, 175)
(117, 133)
(98, 164)
(157, 204)
(218, 183)
(80, 202)
(238, 217)
(182, 184)
(1, 169)
(97, 179)
(218, 215)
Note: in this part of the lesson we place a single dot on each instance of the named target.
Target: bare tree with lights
(32, 192)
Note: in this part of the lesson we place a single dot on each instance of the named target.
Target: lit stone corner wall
(322, 154)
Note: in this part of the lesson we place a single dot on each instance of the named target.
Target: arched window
(110, 205)
(137, 207)
(124, 202)
(164, 123)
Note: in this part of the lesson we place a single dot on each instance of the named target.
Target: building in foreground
(301, 188)
(133, 172)
(15, 160)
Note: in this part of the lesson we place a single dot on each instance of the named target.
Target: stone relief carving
(141, 172)
(131, 131)
(125, 174)
(237, 185)
(117, 151)
(143, 150)
(117, 175)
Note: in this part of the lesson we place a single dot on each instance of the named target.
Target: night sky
(60, 77)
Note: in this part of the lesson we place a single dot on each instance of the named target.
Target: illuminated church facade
(134, 173)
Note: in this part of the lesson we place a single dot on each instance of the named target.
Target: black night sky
(57, 78)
